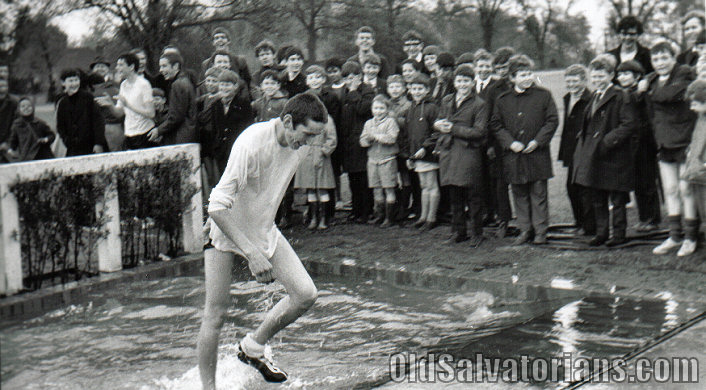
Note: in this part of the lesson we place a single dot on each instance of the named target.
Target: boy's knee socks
(675, 231)
(691, 229)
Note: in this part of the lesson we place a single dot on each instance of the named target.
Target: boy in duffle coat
(603, 160)
(524, 120)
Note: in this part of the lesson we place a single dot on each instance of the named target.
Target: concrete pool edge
(32, 304)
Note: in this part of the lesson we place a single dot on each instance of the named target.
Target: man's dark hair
(174, 58)
(502, 55)
(465, 70)
(663, 47)
(412, 35)
(519, 62)
(305, 106)
(365, 29)
(416, 65)
(270, 74)
(69, 72)
(130, 60)
(629, 22)
(282, 52)
(351, 67)
(293, 50)
(265, 44)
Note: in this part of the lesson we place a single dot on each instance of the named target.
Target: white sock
(251, 347)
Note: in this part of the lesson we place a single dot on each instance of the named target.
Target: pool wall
(32, 304)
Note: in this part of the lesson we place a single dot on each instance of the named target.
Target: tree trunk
(312, 43)
(487, 23)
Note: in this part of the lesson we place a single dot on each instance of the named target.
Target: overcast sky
(77, 24)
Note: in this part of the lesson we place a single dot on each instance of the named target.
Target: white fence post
(11, 263)
(192, 222)
(110, 246)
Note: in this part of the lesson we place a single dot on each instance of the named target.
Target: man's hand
(491, 153)
(104, 101)
(43, 140)
(153, 135)
(531, 147)
(97, 149)
(420, 154)
(517, 146)
(260, 267)
(443, 126)
(642, 86)
(410, 164)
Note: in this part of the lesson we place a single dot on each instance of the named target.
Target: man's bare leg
(218, 271)
(287, 269)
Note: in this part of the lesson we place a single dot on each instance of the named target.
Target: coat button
(519, 113)
(522, 132)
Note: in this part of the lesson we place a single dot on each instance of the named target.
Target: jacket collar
(607, 95)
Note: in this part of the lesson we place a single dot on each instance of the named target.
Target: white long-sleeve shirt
(257, 175)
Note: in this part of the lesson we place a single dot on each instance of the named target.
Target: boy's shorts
(382, 175)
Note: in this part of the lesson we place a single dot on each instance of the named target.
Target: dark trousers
(502, 198)
(581, 205)
(532, 206)
(458, 198)
(620, 217)
(360, 193)
(647, 178)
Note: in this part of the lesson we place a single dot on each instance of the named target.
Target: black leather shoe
(597, 241)
(615, 241)
(264, 366)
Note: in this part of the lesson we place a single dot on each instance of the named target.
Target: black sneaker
(264, 365)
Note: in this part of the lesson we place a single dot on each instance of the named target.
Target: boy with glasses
(629, 29)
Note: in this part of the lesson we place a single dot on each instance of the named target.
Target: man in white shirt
(242, 210)
(134, 103)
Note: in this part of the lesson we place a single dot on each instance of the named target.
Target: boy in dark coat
(292, 78)
(79, 121)
(421, 139)
(692, 24)
(463, 124)
(575, 102)
(355, 111)
(629, 29)
(8, 112)
(603, 160)
(30, 138)
(646, 173)
(672, 122)
(524, 121)
(501, 198)
(230, 115)
(180, 125)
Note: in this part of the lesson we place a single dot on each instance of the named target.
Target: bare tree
(488, 11)
(314, 16)
(538, 17)
(151, 24)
